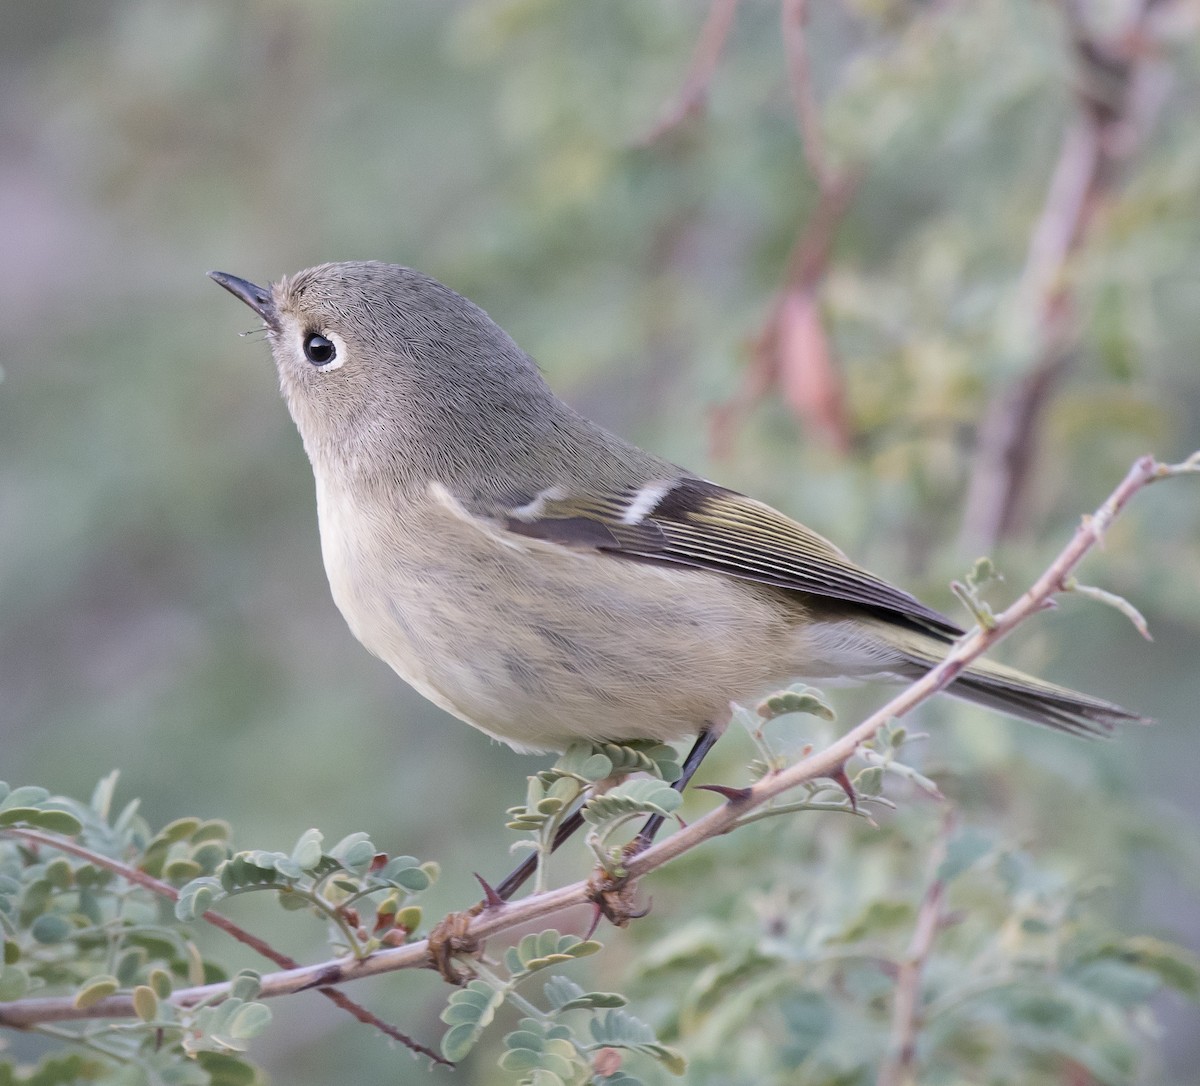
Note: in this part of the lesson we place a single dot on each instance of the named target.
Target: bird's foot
(612, 898)
(450, 938)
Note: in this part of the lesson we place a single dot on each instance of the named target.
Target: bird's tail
(1007, 690)
(1020, 695)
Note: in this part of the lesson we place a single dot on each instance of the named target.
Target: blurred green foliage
(162, 603)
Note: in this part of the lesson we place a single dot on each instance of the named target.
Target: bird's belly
(516, 642)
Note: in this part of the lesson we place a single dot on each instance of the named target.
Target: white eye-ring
(324, 352)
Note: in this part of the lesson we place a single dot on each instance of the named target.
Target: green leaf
(520, 1059)
(130, 965)
(197, 896)
(810, 1019)
(58, 873)
(408, 918)
(307, 851)
(145, 1003)
(1116, 981)
(160, 980)
(209, 855)
(594, 1001)
(458, 1040)
(640, 796)
(879, 916)
(215, 829)
(179, 830)
(354, 852)
(96, 989)
(471, 1009)
(617, 1029)
(246, 985)
(249, 1021)
(869, 781)
(801, 699)
(596, 768)
(187, 1073)
(1175, 966)
(965, 849)
(14, 983)
(27, 796)
(56, 821)
(50, 928)
(102, 794)
(226, 1069)
(181, 870)
(539, 950)
(560, 990)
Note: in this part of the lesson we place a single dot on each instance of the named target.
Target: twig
(709, 46)
(1110, 110)
(898, 1065)
(793, 350)
(167, 891)
(793, 336)
(793, 18)
(496, 919)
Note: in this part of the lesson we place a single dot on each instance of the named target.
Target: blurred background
(925, 275)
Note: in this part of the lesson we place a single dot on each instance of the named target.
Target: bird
(541, 578)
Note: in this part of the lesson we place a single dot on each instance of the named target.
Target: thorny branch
(168, 892)
(497, 918)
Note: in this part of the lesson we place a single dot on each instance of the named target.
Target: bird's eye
(319, 350)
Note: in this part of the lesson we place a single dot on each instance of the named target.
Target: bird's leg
(612, 897)
(521, 873)
(704, 743)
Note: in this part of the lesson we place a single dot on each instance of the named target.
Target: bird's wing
(691, 522)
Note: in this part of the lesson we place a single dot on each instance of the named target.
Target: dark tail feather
(1019, 695)
(1004, 689)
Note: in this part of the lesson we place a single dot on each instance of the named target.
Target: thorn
(637, 914)
(732, 795)
(838, 776)
(491, 899)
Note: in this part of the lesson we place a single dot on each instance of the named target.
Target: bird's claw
(612, 898)
(450, 938)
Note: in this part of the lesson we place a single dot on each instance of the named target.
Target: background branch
(694, 92)
(794, 351)
(899, 1065)
(1112, 113)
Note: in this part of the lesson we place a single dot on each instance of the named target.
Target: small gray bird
(541, 578)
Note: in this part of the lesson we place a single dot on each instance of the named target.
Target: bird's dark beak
(257, 298)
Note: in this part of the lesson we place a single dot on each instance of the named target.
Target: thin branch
(793, 351)
(899, 1065)
(147, 882)
(493, 920)
(1113, 110)
(167, 891)
(793, 19)
(692, 95)
(793, 337)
